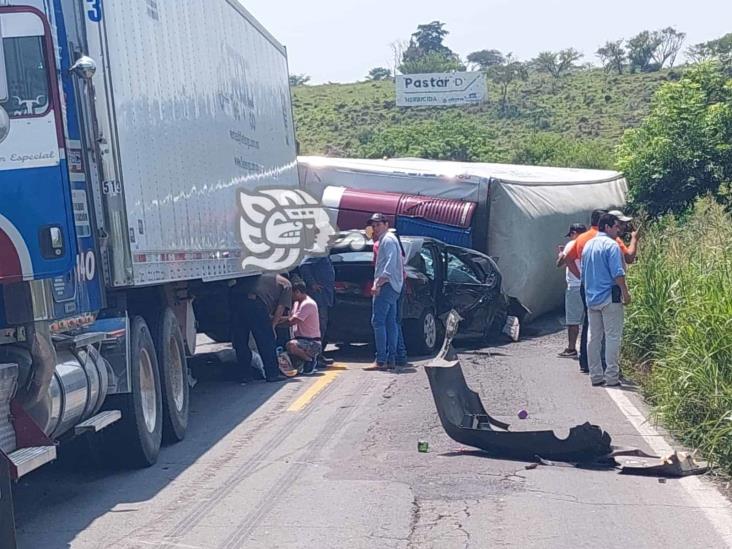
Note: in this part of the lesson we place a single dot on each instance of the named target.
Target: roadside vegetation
(679, 328)
(678, 334)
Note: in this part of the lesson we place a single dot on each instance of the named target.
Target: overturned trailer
(516, 214)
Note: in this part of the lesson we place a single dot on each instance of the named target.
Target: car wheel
(422, 334)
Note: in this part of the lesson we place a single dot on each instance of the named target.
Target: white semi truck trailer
(126, 129)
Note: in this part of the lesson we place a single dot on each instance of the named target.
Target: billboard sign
(440, 90)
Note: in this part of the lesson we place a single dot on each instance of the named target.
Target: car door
(432, 265)
(493, 302)
(464, 290)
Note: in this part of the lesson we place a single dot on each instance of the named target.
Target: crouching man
(306, 345)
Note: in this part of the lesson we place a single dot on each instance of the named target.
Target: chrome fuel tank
(78, 389)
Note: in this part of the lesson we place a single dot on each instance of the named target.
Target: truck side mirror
(85, 67)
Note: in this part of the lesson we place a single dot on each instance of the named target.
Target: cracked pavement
(344, 470)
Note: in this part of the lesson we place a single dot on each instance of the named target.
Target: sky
(341, 40)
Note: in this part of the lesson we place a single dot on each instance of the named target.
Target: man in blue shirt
(388, 282)
(603, 276)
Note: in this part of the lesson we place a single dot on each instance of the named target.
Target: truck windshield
(25, 64)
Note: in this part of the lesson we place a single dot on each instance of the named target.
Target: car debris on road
(466, 421)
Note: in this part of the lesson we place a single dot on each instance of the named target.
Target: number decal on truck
(112, 187)
(95, 13)
(86, 266)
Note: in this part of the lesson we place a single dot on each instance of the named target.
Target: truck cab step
(26, 460)
(98, 422)
(79, 340)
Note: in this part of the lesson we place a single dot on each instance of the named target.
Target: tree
(546, 62)
(379, 73)
(299, 79)
(613, 56)
(641, 49)
(431, 62)
(511, 70)
(429, 37)
(683, 149)
(557, 63)
(484, 59)
(719, 49)
(398, 47)
(427, 53)
(669, 44)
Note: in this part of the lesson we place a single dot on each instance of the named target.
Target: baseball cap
(620, 215)
(377, 218)
(577, 228)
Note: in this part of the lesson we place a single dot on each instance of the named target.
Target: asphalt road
(331, 461)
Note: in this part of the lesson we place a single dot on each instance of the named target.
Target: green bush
(451, 136)
(679, 327)
(683, 149)
(548, 149)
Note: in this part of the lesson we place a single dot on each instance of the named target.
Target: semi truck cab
(37, 235)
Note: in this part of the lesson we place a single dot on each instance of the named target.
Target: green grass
(588, 111)
(679, 328)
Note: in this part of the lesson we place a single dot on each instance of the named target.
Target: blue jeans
(384, 322)
(401, 349)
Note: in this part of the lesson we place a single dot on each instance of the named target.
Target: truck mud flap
(466, 421)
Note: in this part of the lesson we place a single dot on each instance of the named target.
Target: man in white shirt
(573, 307)
(388, 283)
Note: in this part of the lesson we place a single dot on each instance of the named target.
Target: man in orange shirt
(575, 254)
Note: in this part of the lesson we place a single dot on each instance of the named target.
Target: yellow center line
(321, 383)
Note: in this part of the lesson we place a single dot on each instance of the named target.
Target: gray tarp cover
(529, 209)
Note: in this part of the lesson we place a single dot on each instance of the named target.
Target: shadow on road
(59, 501)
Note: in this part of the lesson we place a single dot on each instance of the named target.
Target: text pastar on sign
(440, 89)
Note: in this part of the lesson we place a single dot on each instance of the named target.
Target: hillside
(574, 121)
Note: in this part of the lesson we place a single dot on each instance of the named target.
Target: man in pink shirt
(305, 321)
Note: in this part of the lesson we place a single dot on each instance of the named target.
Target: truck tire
(173, 368)
(136, 438)
(422, 335)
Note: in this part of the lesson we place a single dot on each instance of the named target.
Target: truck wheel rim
(176, 375)
(430, 330)
(147, 391)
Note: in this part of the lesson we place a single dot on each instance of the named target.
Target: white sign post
(440, 90)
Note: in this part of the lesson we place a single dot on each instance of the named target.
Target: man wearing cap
(573, 306)
(603, 276)
(400, 359)
(388, 282)
(575, 254)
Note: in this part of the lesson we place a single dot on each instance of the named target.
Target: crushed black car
(440, 277)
